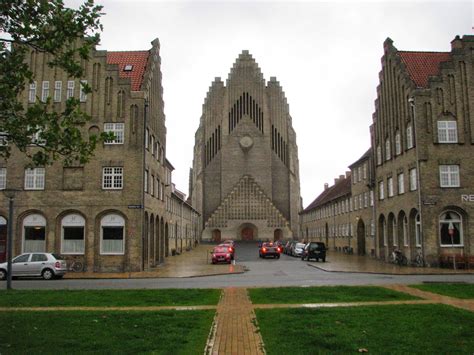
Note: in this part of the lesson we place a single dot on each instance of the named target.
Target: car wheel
(47, 274)
(278, 256)
(3, 274)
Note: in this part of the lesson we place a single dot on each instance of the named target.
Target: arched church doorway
(277, 234)
(248, 232)
(216, 236)
(361, 237)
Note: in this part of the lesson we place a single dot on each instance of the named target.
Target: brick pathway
(236, 332)
(436, 298)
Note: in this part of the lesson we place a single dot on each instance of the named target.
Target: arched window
(72, 234)
(112, 239)
(398, 144)
(450, 229)
(34, 233)
(418, 230)
(409, 137)
(395, 233)
(405, 231)
(388, 153)
(379, 155)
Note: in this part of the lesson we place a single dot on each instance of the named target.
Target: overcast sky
(326, 56)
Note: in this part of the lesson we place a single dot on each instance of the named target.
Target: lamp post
(10, 194)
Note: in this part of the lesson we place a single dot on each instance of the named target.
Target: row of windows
(447, 133)
(153, 145)
(154, 186)
(57, 91)
(359, 173)
(337, 230)
(73, 226)
(350, 204)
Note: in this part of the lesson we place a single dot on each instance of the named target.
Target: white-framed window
(359, 173)
(45, 91)
(372, 227)
(354, 175)
(118, 129)
(147, 134)
(405, 231)
(371, 198)
(447, 132)
(413, 180)
(450, 229)
(3, 178)
(32, 92)
(395, 233)
(58, 85)
(401, 183)
(385, 234)
(366, 199)
(388, 152)
(449, 175)
(112, 240)
(34, 179)
(162, 198)
(390, 186)
(145, 187)
(152, 184)
(36, 137)
(409, 137)
(34, 233)
(356, 203)
(152, 144)
(379, 155)
(381, 191)
(82, 93)
(398, 143)
(418, 230)
(365, 171)
(112, 178)
(70, 89)
(72, 234)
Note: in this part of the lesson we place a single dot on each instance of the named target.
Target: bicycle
(419, 262)
(398, 258)
(76, 266)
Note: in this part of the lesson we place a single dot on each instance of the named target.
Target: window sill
(109, 254)
(451, 246)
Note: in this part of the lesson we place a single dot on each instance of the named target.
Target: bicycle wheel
(77, 266)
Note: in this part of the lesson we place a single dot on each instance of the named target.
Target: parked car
(221, 253)
(46, 265)
(230, 249)
(289, 246)
(269, 249)
(298, 249)
(229, 241)
(314, 250)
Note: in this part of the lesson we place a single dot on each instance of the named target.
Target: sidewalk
(340, 262)
(193, 263)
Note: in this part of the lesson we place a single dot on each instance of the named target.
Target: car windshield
(57, 257)
(220, 250)
(299, 245)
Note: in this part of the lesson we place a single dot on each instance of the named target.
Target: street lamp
(10, 194)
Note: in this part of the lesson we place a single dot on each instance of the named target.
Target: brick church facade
(245, 174)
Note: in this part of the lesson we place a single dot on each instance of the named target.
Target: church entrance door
(247, 233)
(216, 236)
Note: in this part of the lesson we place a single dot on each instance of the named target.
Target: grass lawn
(325, 294)
(465, 291)
(164, 332)
(401, 329)
(109, 298)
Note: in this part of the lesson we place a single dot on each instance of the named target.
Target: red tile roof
(138, 59)
(339, 189)
(422, 65)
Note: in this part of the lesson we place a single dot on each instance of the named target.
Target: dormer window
(128, 67)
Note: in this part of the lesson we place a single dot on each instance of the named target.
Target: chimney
(336, 180)
(341, 177)
(456, 43)
(348, 174)
(326, 186)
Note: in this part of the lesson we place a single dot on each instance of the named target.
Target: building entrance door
(247, 233)
(216, 236)
(361, 237)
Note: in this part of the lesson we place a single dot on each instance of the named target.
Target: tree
(68, 36)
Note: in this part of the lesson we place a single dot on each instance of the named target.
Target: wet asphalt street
(286, 271)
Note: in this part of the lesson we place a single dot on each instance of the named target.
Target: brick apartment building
(422, 140)
(110, 214)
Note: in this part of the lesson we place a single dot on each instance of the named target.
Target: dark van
(314, 250)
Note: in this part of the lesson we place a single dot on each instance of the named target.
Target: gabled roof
(365, 156)
(137, 59)
(340, 188)
(422, 65)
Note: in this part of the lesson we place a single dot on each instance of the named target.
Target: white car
(299, 248)
(46, 265)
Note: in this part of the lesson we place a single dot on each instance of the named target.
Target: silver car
(46, 265)
(299, 248)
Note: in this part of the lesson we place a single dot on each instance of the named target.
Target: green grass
(401, 329)
(465, 291)
(325, 294)
(164, 332)
(109, 298)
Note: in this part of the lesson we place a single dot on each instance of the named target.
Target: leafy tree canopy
(67, 36)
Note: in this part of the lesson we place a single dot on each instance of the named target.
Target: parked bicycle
(398, 258)
(76, 266)
(418, 261)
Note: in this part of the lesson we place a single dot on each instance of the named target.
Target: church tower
(245, 175)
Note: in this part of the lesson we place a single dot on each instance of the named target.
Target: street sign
(135, 207)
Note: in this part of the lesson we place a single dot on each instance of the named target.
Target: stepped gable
(245, 61)
(340, 188)
(421, 65)
(137, 59)
(246, 201)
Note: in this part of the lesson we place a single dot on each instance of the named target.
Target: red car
(221, 254)
(230, 248)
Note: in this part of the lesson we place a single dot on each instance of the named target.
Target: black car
(314, 250)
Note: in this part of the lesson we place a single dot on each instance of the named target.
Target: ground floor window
(405, 231)
(34, 233)
(418, 230)
(72, 237)
(450, 229)
(112, 234)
